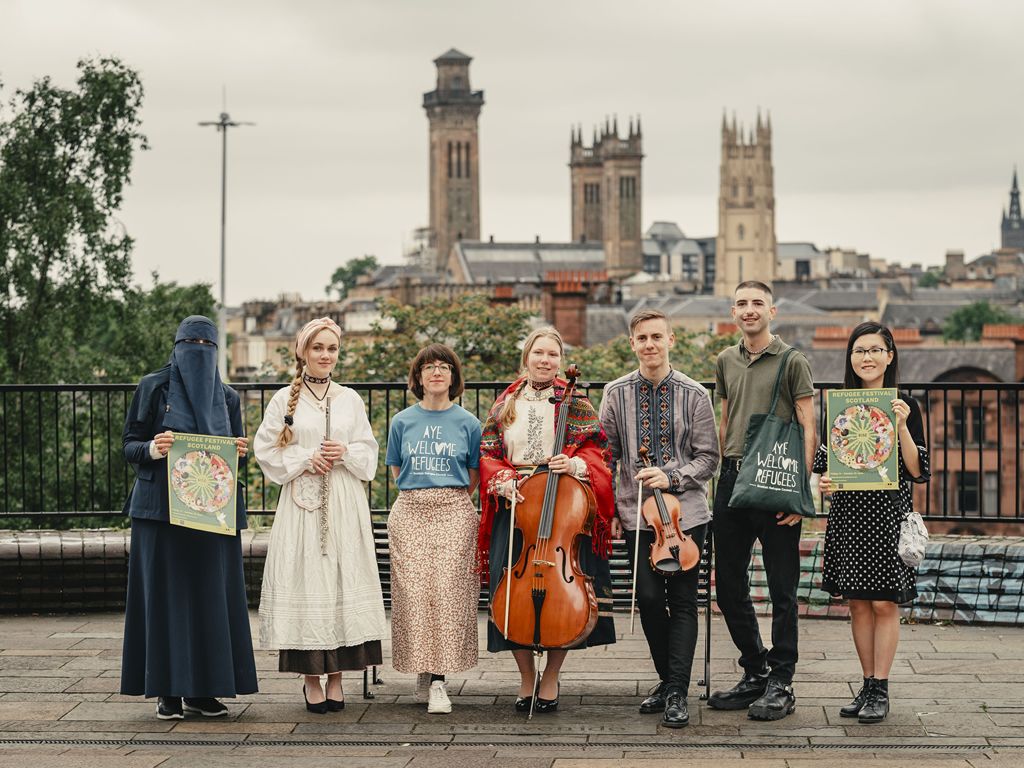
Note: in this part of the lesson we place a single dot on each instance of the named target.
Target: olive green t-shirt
(747, 386)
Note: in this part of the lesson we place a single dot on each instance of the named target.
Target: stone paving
(958, 700)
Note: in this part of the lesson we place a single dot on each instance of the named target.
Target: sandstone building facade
(745, 247)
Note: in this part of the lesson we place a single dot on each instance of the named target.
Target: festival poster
(863, 446)
(202, 472)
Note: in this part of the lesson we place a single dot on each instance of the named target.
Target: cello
(672, 551)
(551, 603)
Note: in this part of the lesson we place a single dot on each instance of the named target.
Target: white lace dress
(314, 601)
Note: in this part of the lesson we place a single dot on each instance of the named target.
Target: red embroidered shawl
(585, 438)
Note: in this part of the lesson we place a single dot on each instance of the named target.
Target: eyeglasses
(861, 353)
(436, 368)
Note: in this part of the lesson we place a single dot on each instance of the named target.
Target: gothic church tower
(606, 198)
(745, 247)
(453, 109)
(1012, 229)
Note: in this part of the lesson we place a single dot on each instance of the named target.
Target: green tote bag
(773, 476)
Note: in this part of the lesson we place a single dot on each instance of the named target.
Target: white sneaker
(422, 686)
(439, 703)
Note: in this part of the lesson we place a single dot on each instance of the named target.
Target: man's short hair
(647, 314)
(757, 285)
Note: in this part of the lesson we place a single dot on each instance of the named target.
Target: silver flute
(325, 489)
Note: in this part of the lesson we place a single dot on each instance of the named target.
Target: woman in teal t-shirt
(434, 453)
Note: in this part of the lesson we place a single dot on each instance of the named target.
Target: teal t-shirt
(435, 449)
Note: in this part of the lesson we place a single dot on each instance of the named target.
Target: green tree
(65, 158)
(966, 323)
(344, 277)
(485, 336)
(930, 279)
(135, 335)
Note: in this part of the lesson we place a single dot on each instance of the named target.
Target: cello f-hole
(567, 576)
(525, 561)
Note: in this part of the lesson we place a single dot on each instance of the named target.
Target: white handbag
(913, 539)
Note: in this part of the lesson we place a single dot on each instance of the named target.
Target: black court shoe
(316, 709)
(523, 703)
(333, 705)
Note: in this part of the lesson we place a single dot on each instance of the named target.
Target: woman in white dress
(321, 606)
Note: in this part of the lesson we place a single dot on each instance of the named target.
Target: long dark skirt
(590, 564)
(186, 624)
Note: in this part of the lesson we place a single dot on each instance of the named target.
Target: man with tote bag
(749, 380)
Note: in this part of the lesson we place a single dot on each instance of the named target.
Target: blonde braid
(507, 414)
(293, 399)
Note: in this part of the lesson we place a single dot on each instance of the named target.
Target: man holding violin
(670, 415)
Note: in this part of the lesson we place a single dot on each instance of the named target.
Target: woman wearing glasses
(434, 453)
(861, 561)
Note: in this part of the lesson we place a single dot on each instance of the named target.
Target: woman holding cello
(544, 462)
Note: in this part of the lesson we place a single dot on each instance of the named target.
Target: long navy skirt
(186, 624)
(592, 565)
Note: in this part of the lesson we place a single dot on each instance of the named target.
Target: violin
(551, 602)
(672, 551)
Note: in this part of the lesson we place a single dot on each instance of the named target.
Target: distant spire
(615, 126)
(1013, 216)
(759, 120)
(638, 131)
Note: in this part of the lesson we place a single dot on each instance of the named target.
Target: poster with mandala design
(202, 482)
(862, 440)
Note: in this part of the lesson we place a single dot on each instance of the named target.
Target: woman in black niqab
(187, 639)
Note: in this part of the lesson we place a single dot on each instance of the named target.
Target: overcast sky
(897, 124)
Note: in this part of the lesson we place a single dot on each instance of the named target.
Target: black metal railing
(61, 455)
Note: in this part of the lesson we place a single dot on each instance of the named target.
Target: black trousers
(668, 611)
(735, 531)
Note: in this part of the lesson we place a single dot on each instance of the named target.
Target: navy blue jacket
(148, 497)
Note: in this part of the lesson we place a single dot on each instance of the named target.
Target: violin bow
(636, 554)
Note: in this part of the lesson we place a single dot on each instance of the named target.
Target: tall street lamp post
(222, 125)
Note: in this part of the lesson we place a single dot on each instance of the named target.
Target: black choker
(541, 386)
(315, 379)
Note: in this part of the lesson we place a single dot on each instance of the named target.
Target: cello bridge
(544, 562)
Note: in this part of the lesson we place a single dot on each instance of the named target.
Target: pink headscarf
(310, 330)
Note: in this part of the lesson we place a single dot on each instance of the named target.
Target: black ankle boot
(854, 707)
(876, 705)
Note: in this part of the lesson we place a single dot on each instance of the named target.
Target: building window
(449, 159)
(627, 187)
(974, 500)
(740, 231)
(990, 494)
(458, 159)
(967, 491)
(968, 425)
(750, 187)
(591, 193)
(467, 160)
(735, 188)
